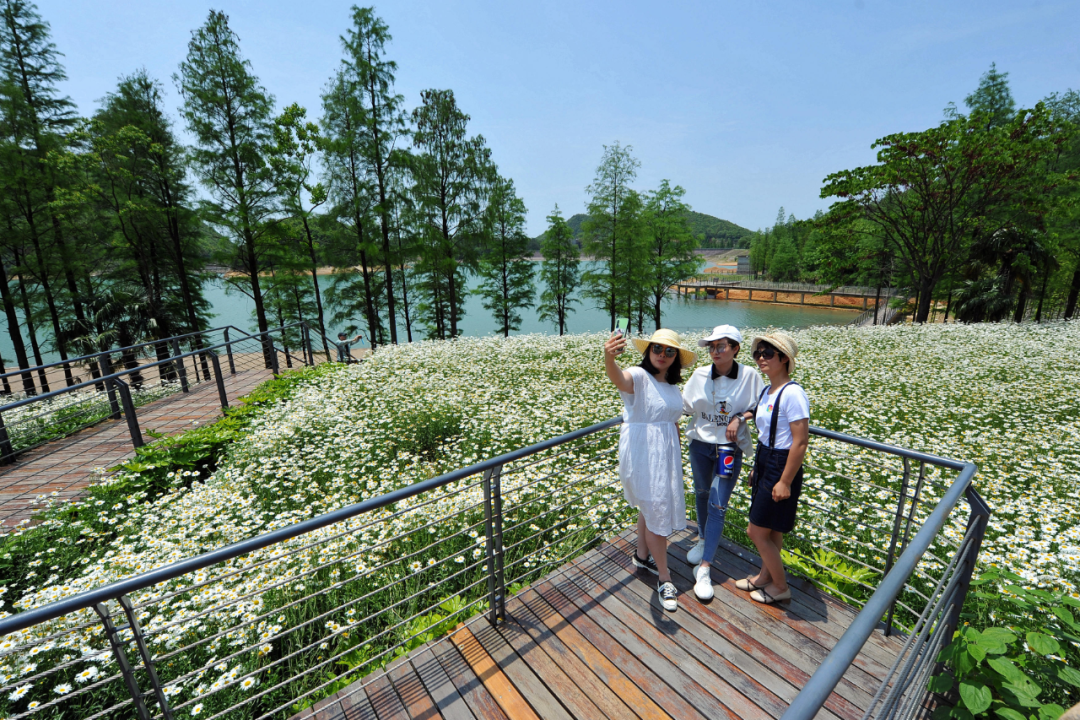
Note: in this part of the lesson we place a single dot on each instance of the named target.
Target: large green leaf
(1009, 714)
(1066, 617)
(1007, 670)
(1051, 712)
(1067, 674)
(976, 697)
(1042, 644)
(940, 683)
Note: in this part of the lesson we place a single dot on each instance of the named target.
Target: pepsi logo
(729, 461)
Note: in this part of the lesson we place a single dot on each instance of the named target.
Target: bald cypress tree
(37, 118)
(231, 117)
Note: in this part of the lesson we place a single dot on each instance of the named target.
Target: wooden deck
(592, 641)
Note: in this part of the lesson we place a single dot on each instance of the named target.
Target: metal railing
(275, 618)
(268, 626)
(908, 564)
(719, 280)
(115, 392)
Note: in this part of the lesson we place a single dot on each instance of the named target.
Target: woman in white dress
(650, 454)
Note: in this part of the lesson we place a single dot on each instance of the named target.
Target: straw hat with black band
(782, 342)
(670, 338)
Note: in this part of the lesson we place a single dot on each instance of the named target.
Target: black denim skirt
(764, 511)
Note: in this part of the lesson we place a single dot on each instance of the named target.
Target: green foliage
(233, 130)
(612, 234)
(505, 271)
(559, 271)
(827, 569)
(1021, 667)
(452, 174)
(426, 431)
(668, 242)
(71, 531)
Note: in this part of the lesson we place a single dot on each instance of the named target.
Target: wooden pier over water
(850, 298)
(592, 641)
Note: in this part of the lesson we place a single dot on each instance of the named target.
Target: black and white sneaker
(646, 564)
(668, 596)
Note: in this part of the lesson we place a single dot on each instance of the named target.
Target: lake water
(679, 313)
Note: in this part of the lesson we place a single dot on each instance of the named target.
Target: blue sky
(748, 106)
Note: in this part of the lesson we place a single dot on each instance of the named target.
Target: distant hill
(713, 231)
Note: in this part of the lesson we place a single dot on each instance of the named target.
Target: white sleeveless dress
(650, 456)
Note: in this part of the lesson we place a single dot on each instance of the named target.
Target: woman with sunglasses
(650, 454)
(783, 422)
(719, 399)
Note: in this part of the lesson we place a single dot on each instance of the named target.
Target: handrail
(94, 356)
(821, 684)
(128, 371)
(52, 611)
(806, 705)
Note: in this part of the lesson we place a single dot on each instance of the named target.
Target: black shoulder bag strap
(776, 413)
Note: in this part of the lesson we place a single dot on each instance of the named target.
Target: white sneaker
(703, 583)
(694, 556)
(668, 596)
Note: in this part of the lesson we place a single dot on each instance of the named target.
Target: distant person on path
(343, 346)
(720, 399)
(783, 422)
(650, 454)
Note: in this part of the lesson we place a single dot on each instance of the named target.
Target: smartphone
(621, 325)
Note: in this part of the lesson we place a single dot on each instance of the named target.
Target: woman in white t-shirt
(720, 399)
(783, 422)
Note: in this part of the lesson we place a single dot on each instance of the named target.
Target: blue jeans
(711, 493)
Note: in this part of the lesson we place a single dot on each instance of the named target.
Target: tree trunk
(315, 282)
(923, 299)
(948, 304)
(42, 376)
(50, 301)
(1042, 295)
(1074, 293)
(1021, 303)
(16, 334)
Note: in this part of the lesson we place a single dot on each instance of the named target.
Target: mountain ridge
(713, 231)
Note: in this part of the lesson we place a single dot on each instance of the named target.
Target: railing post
(180, 365)
(895, 535)
(148, 663)
(497, 533)
(129, 413)
(220, 380)
(307, 344)
(8, 453)
(273, 353)
(493, 534)
(106, 369)
(979, 515)
(228, 351)
(121, 660)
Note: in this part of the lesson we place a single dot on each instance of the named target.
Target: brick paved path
(67, 465)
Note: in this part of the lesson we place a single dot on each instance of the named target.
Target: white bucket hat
(722, 331)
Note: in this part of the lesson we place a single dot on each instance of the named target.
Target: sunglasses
(766, 352)
(658, 349)
(719, 347)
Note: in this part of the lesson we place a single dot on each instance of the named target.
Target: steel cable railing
(267, 627)
(217, 356)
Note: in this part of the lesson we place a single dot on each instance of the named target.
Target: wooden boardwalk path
(592, 641)
(66, 466)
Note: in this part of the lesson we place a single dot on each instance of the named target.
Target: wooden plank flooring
(592, 641)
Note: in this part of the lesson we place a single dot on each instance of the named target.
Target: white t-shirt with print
(794, 405)
(712, 402)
